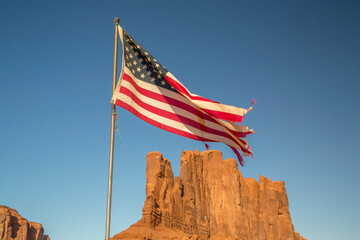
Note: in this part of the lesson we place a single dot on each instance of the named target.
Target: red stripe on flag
(241, 161)
(225, 116)
(173, 116)
(167, 99)
(217, 114)
(183, 90)
(158, 124)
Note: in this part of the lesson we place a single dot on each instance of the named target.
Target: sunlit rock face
(210, 200)
(15, 227)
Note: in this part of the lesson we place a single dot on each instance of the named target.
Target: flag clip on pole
(111, 155)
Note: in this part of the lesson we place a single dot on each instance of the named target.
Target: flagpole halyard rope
(113, 112)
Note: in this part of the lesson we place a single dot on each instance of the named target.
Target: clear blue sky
(299, 59)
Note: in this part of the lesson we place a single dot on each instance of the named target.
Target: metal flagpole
(111, 155)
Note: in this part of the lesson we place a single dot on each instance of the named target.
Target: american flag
(153, 94)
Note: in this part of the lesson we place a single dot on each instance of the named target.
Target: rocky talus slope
(15, 227)
(210, 200)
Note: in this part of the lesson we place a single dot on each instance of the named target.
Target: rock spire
(210, 200)
(15, 227)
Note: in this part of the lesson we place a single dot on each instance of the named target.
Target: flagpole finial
(116, 21)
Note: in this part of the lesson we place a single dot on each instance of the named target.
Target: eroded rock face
(210, 200)
(15, 227)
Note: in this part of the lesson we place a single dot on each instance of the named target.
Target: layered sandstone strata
(15, 227)
(210, 200)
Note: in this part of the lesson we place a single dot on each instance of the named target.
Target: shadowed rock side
(210, 200)
(15, 227)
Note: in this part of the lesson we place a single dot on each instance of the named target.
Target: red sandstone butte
(15, 227)
(210, 200)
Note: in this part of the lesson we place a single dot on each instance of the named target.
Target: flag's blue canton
(143, 65)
